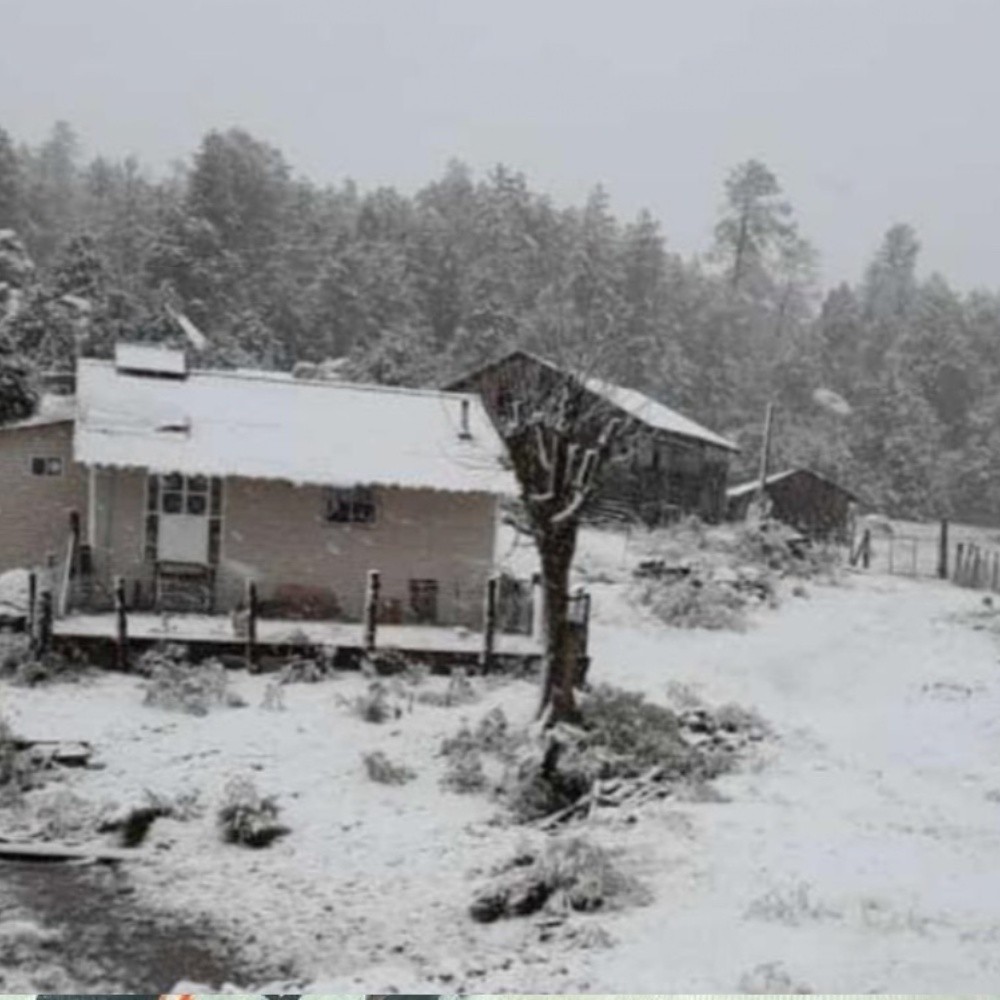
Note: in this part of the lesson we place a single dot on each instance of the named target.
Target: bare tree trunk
(558, 703)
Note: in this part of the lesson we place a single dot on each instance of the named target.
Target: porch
(277, 634)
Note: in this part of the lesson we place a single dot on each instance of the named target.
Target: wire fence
(965, 554)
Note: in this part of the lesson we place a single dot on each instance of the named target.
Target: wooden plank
(51, 851)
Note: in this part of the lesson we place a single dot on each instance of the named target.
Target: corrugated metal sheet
(267, 426)
(654, 414)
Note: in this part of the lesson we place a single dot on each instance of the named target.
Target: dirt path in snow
(80, 929)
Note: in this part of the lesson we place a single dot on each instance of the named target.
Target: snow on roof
(268, 426)
(150, 358)
(636, 404)
(52, 409)
(653, 413)
(749, 487)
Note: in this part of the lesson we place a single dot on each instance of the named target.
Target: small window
(46, 466)
(351, 506)
(424, 600)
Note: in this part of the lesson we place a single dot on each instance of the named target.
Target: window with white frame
(46, 465)
(350, 505)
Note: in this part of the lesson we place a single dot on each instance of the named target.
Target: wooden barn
(818, 507)
(667, 464)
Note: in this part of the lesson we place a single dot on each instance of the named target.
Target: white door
(184, 514)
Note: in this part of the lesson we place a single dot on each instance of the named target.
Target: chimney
(464, 433)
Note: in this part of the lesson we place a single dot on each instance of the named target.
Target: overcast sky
(869, 111)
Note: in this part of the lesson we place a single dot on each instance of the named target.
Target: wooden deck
(211, 630)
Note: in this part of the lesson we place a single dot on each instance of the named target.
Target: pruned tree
(559, 443)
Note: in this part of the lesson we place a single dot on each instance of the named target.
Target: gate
(904, 555)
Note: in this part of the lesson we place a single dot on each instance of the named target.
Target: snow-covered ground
(857, 855)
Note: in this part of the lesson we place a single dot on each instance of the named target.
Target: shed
(803, 499)
(668, 463)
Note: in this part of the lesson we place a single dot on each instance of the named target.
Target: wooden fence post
(44, 641)
(371, 609)
(995, 577)
(489, 625)
(959, 559)
(121, 617)
(866, 550)
(943, 551)
(251, 635)
(31, 624)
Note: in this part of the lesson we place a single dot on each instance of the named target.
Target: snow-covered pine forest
(277, 268)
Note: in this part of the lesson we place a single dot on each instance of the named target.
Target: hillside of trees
(889, 385)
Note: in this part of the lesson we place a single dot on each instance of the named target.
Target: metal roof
(270, 426)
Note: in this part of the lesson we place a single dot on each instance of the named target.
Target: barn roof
(733, 492)
(269, 425)
(636, 404)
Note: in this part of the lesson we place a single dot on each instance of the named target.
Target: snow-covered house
(189, 483)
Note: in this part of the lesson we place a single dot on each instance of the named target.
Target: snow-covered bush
(460, 691)
(375, 704)
(180, 686)
(570, 873)
(694, 602)
(20, 665)
(248, 818)
(381, 769)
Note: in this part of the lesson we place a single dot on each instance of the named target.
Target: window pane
(175, 481)
(196, 504)
(38, 466)
(173, 503)
(53, 466)
(197, 484)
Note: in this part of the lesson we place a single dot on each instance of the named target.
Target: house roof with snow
(52, 409)
(634, 403)
(733, 492)
(270, 425)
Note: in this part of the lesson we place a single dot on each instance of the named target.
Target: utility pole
(765, 455)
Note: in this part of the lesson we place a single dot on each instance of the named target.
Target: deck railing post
(121, 621)
(372, 590)
(943, 551)
(31, 622)
(44, 639)
(251, 636)
(489, 625)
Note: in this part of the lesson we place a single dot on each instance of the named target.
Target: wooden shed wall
(653, 475)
